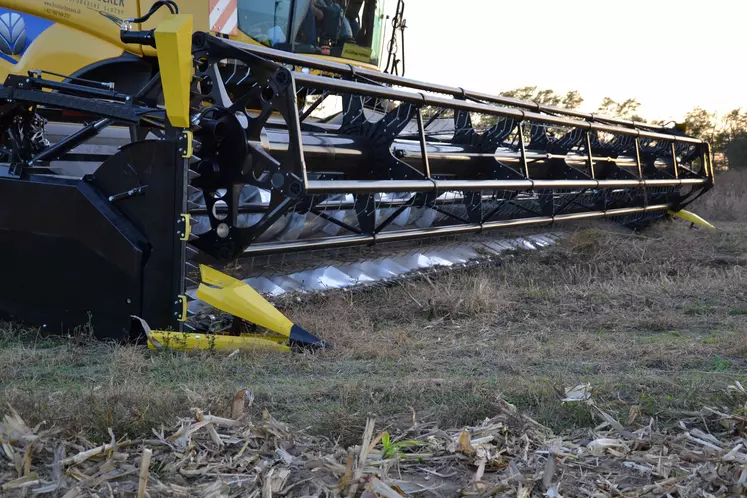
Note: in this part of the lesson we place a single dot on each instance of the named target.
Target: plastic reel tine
(235, 67)
(248, 73)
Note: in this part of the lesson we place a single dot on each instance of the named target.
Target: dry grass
(508, 454)
(730, 203)
(655, 321)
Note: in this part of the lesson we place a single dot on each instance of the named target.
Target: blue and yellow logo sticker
(18, 32)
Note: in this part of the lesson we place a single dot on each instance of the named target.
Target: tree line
(727, 133)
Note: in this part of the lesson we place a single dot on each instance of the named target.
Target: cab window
(350, 29)
(265, 20)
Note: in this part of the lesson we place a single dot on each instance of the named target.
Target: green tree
(733, 124)
(572, 100)
(736, 151)
(523, 93)
(608, 107)
(727, 135)
(625, 109)
(701, 124)
(732, 138)
(569, 100)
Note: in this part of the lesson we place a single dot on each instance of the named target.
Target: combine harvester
(147, 144)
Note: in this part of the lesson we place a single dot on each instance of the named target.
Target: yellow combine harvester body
(82, 37)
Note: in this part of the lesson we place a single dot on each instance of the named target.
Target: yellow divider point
(239, 299)
(174, 43)
(692, 218)
(189, 341)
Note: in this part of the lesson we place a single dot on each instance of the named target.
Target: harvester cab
(266, 131)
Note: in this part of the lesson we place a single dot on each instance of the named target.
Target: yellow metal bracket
(174, 43)
(186, 144)
(184, 227)
(180, 307)
(692, 218)
(189, 341)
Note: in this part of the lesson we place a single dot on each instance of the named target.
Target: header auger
(234, 150)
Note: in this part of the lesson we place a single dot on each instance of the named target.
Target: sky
(671, 55)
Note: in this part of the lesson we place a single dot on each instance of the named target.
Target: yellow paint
(198, 9)
(86, 32)
(239, 299)
(183, 302)
(89, 16)
(189, 138)
(58, 49)
(174, 42)
(189, 341)
(691, 217)
(187, 227)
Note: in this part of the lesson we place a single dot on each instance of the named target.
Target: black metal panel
(153, 164)
(99, 249)
(67, 258)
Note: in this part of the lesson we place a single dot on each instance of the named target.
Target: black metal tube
(708, 162)
(420, 99)
(152, 83)
(427, 232)
(79, 90)
(332, 153)
(590, 155)
(307, 112)
(464, 155)
(377, 76)
(423, 145)
(264, 249)
(348, 186)
(72, 141)
(638, 157)
(337, 222)
(435, 186)
(267, 248)
(322, 208)
(523, 149)
(449, 185)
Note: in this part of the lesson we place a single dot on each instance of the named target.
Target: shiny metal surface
(381, 269)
